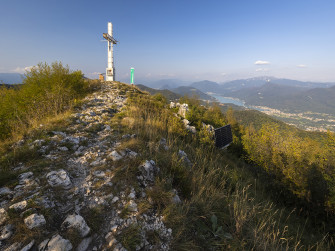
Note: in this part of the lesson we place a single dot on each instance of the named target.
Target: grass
(93, 217)
(217, 183)
(130, 237)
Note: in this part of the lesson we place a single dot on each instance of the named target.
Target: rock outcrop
(76, 202)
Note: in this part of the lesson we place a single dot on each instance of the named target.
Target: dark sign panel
(223, 136)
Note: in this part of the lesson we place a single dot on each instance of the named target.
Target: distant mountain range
(11, 78)
(165, 83)
(176, 93)
(283, 94)
(191, 91)
(166, 93)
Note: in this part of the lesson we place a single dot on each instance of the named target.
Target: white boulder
(5, 191)
(57, 243)
(19, 206)
(77, 222)
(6, 232)
(115, 156)
(59, 178)
(183, 109)
(3, 216)
(34, 221)
(148, 171)
(29, 246)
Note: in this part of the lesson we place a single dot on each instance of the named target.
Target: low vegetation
(47, 91)
(226, 202)
(271, 190)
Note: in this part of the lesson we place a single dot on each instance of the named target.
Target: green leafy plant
(217, 230)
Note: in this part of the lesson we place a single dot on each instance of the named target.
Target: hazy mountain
(227, 88)
(260, 81)
(165, 83)
(208, 86)
(289, 98)
(11, 78)
(166, 93)
(321, 100)
(267, 94)
(191, 91)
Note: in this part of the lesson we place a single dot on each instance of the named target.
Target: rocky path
(80, 199)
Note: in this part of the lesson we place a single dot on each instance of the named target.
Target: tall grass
(216, 186)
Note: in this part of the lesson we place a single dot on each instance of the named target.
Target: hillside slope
(121, 172)
(166, 93)
(70, 192)
(267, 94)
(191, 91)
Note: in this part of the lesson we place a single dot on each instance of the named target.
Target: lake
(226, 100)
(234, 101)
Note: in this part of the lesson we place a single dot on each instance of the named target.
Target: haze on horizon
(189, 40)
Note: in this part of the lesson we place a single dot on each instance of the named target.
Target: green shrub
(47, 90)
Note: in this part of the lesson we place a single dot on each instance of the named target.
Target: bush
(47, 90)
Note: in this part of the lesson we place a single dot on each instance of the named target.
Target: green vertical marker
(132, 75)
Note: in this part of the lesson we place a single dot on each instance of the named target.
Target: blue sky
(191, 40)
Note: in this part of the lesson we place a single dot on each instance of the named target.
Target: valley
(307, 105)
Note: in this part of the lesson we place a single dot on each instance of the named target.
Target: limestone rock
(183, 156)
(183, 109)
(29, 246)
(25, 178)
(99, 174)
(209, 128)
(19, 206)
(132, 195)
(131, 153)
(192, 129)
(6, 232)
(59, 178)
(132, 206)
(57, 243)
(111, 241)
(77, 222)
(83, 245)
(43, 245)
(4, 191)
(186, 122)
(115, 199)
(148, 171)
(126, 136)
(176, 199)
(3, 216)
(63, 148)
(163, 143)
(34, 220)
(115, 156)
(38, 142)
(14, 247)
(172, 105)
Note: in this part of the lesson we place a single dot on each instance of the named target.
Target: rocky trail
(78, 198)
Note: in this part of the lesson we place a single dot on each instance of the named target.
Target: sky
(192, 40)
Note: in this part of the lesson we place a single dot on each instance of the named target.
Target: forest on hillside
(301, 164)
